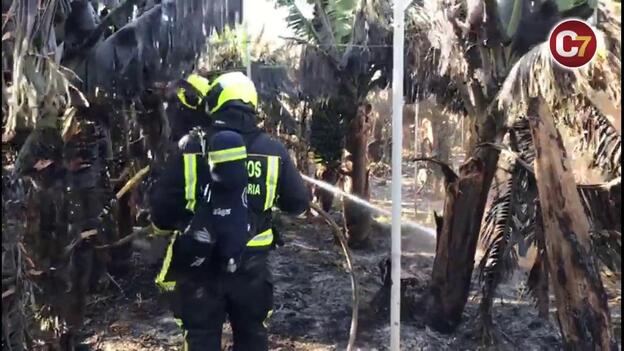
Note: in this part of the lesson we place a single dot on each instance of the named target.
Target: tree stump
(458, 234)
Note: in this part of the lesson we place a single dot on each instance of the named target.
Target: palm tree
(346, 56)
(467, 48)
(513, 221)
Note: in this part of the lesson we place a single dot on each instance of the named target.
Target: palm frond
(342, 14)
(522, 141)
(607, 246)
(436, 58)
(345, 58)
(326, 133)
(600, 137)
(325, 25)
(436, 20)
(603, 205)
(535, 74)
(509, 224)
(572, 95)
(496, 233)
(510, 219)
(537, 282)
(297, 21)
(330, 24)
(597, 134)
(329, 30)
(39, 86)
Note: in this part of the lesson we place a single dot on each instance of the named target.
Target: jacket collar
(239, 118)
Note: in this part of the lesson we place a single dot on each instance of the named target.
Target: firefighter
(185, 109)
(181, 178)
(173, 197)
(273, 180)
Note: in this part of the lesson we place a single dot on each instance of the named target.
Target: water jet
(416, 227)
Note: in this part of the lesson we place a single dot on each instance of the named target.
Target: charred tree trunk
(326, 198)
(375, 147)
(441, 147)
(458, 234)
(120, 257)
(412, 289)
(303, 158)
(457, 241)
(357, 218)
(582, 309)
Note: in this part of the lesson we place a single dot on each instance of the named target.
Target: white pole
(416, 146)
(397, 148)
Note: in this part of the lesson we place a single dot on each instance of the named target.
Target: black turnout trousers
(246, 297)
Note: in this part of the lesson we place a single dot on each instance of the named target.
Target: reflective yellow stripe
(227, 155)
(271, 181)
(160, 279)
(266, 320)
(201, 84)
(263, 239)
(160, 232)
(190, 180)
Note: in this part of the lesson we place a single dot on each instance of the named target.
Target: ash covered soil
(313, 303)
(312, 297)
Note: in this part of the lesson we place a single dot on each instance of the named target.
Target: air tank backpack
(218, 233)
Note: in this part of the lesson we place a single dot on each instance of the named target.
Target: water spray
(335, 190)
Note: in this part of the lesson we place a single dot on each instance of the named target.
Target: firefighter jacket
(274, 181)
(273, 178)
(173, 197)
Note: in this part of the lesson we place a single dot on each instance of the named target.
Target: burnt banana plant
(512, 223)
(509, 224)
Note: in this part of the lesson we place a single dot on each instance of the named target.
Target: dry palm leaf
(535, 74)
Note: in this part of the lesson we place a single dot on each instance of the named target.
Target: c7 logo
(573, 43)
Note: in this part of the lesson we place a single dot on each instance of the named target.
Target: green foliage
(337, 67)
(296, 20)
(225, 51)
(339, 14)
(326, 134)
(342, 13)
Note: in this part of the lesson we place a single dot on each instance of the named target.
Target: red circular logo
(572, 43)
